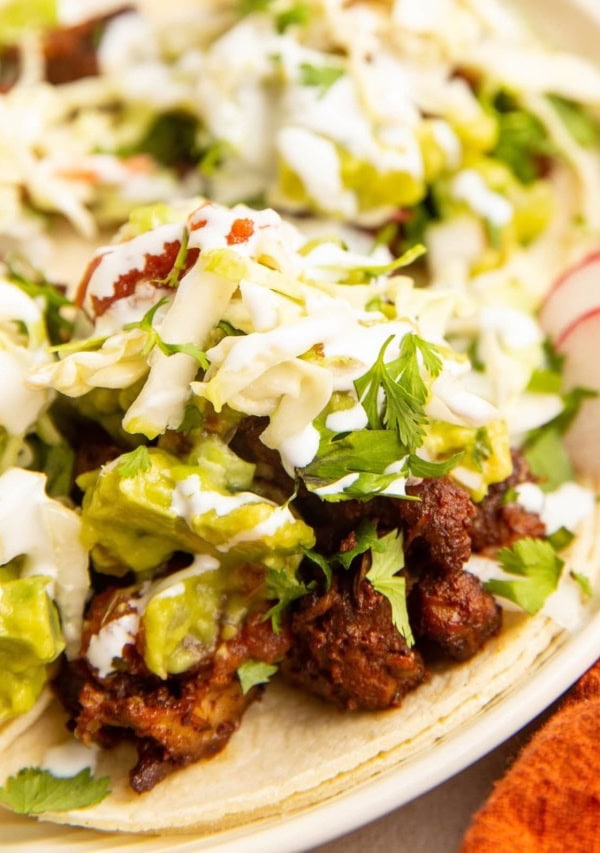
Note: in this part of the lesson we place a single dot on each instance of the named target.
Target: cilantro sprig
(321, 77)
(253, 672)
(285, 15)
(153, 338)
(34, 791)
(403, 389)
(59, 325)
(134, 463)
(536, 565)
(284, 588)
(386, 561)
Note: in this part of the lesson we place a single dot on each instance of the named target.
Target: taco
(280, 468)
(309, 465)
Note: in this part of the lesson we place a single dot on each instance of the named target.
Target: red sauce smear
(156, 268)
(241, 231)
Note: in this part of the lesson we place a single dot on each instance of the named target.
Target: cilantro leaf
(387, 560)
(545, 381)
(582, 126)
(213, 157)
(561, 538)
(32, 282)
(153, 338)
(537, 564)
(366, 539)
(584, 583)
(286, 588)
(35, 791)
(134, 463)
(253, 672)
(522, 144)
(320, 561)
(544, 450)
(323, 76)
(298, 14)
(548, 460)
(404, 390)
(247, 7)
(423, 468)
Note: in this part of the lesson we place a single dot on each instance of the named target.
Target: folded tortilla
(293, 751)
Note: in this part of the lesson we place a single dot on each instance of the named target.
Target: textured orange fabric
(549, 801)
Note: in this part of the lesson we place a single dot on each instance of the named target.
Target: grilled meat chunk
(346, 649)
(437, 526)
(454, 613)
(176, 721)
(498, 522)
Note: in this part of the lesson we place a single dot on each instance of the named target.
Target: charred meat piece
(346, 649)
(453, 613)
(436, 527)
(498, 522)
(172, 722)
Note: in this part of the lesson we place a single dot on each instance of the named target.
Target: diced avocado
(181, 623)
(376, 189)
(149, 217)
(291, 186)
(137, 519)
(222, 466)
(486, 451)
(30, 638)
(435, 158)
(478, 132)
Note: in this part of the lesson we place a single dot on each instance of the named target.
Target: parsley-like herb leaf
(32, 282)
(404, 390)
(582, 126)
(366, 539)
(34, 791)
(561, 538)
(320, 561)
(537, 564)
(254, 672)
(153, 338)
(134, 463)
(298, 14)
(584, 584)
(286, 588)
(522, 144)
(387, 560)
(322, 77)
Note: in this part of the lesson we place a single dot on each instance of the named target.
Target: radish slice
(575, 293)
(580, 343)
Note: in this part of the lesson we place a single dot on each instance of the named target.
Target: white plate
(577, 25)
(362, 804)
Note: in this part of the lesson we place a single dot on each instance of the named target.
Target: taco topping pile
(242, 448)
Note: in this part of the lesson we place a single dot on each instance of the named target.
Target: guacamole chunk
(136, 519)
(30, 638)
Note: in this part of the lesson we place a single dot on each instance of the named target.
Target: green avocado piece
(486, 451)
(181, 623)
(138, 519)
(30, 638)
(377, 189)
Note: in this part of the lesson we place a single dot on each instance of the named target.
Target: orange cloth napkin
(549, 801)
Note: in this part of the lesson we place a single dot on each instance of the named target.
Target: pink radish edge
(582, 318)
(584, 262)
